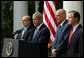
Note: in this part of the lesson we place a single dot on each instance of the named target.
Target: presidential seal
(9, 48)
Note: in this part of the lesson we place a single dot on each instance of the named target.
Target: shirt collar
(26, 27)
(75, 27)
(62, 22)
(39, 26)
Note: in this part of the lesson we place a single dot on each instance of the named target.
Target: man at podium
(31, 42)
(27, 30)
(41, 33)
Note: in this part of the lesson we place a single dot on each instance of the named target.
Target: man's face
(71, 19)
(58, 17)
(25, 21)
(36, 21)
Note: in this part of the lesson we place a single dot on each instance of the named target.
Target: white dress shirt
(74, 28)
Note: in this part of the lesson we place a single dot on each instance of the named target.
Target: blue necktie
(23, 32)
(58, 32)
(36, 29)
(59, 29)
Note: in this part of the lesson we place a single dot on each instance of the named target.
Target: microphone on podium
(14, 33)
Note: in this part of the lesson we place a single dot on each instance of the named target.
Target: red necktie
(70, 34)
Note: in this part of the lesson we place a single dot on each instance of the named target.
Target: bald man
(27, 30)
(58, 46)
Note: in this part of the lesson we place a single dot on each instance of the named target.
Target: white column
(20, 9)
(36, 6)
(74, 5)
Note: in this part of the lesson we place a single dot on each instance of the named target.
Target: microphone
(13, 34)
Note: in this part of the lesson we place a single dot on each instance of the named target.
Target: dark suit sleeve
(55, 41)
(44, 37)
(81, 42)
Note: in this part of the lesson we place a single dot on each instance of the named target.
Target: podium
(20, 48)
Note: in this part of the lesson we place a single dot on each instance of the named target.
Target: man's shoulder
(80, 27)
(31, 27)
(44, 28)
(65, 22)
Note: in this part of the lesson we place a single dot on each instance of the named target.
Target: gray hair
(39, 15)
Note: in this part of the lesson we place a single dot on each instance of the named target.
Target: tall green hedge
(6, 20)
(6, 16)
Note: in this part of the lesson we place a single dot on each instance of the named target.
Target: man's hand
(53, 53)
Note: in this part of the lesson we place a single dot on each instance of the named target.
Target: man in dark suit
(75, 40)
(41, 34)
(27, 30)
(59, 44)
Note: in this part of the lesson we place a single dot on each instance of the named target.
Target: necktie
(70, 34)
(23, 32)
(59, 29)
(36, 29)
(58, 32)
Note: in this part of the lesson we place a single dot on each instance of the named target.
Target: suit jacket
(42, 38)
(57, 36)
(75, 48)
(60, 43)
(63, 41)
(27, 34)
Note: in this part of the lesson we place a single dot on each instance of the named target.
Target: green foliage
(6, 16)
(6, 20)
(31, 7)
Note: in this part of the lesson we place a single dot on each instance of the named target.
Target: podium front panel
(10, 48)
(19, 48)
